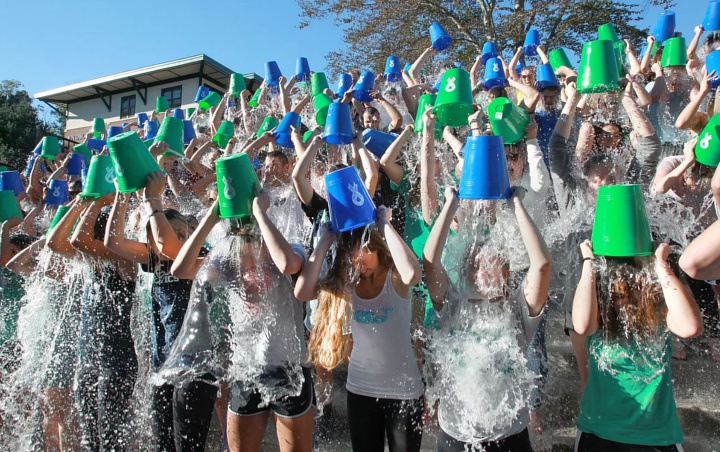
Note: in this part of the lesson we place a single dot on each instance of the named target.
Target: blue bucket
(338, 127)
(546, 77)
(151, 129)
(142, 118)
(283, 133)
(344, 84)
(365, 84)
(393, 72)
(10, 180)
(712, 17)
(57, 193)
(406, 68)
(712, 63)
(113, 131)
(440, 38)
(188, 132)
(30, 163)
(302, 69)
(272, 73)
(179, 114)
(351, 206)
(665, 26)
(202, 93)
(38, 148)
(96, 145)
(76, 164)
(532, 41)
(484, 174)
(494, 74)
(377, 142)
(488, 51)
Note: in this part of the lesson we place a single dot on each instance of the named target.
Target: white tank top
(382, 363)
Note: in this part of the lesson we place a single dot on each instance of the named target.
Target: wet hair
(21, 240)
(75, 187)
(371, 110)
(497, 91)
(279, 155)
(595, 161)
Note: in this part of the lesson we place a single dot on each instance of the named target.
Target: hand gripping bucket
(10, 181)
(302, 69)
(485, 174)
(707, 148)
(57, 193)
(621, 227)
(142, 118)
(425, 101)
(132, 160)
(377, 142)
(8, 206)
(350, 204)
(318, 83)
(344, 84)
(532, 41)
(171, 132)
(254, 99)
(237, 84)
(236, 181)
(225, 132)
(393, 71)
(494, 74)
(76, 164)
(665, 26)
(454, 99)
(85, 151)
(209, 101)
(546, 77)
(365, 83)
(283, 133)
(558, 58)
(507, 120)
(712, 63)
(50, 148)
(100, 179)
(338, 128)
(272, 73)
(488, 51)
(598, 71)
(440, 38)
(98, 127)
(31, 162)
(322, 103)
(267, 125)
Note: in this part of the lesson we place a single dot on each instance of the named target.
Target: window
(127, 106)
(173, 96)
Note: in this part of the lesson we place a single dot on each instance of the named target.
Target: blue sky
(48, 43)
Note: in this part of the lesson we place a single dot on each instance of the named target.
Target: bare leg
(221, 406)
(245, 433)
(324, 380)
(579, 344)
(296, 434)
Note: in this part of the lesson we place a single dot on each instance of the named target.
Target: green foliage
(375, 29)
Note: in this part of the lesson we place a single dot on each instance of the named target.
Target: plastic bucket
(674, 53)
(377, 142)
(283, 133)
(351, 206)
(546, 77)
(142, 118)
(440, 38)
(507, 120)
(132, 160)
(202, 92)
(161, 104)
(302, 69)
(151, 129)
(178, 113)
(665, 26)
(98, 127)
(598, 69)
(532, 41)
(712, 63)
(494, 74)
(621, 227)
(11, 181)
(85, 151)
(558, 58)
(76, 164)
(236, 181)
(188, 132)
(344, 84)
(338, 127)
(607, 32)
(171, 133)
(237, 84)
(318, 83)
(209, 101)
(59, 214)
(100, 178)
(50, 148)
(114, 131)
(57, 193)
(425, 101)
(9, 207)
(712, 17)
(96, 145)
(707, 148)
(267, 125)
(393, 71)
(365, 83)
(454, 99)
(485, 174)
(489, 50)
(322, 103)
(272, 73)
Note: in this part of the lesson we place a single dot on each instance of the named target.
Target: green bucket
(425, 101)
(189, 112)
(507, 120)
(607, 31)
(161, 104)
(236, 181)
(132, 160)
(59, 214)
(3, 168)
(620, 58)
(598, 71)
(674, 53)
(84, 151)
(267, 125)
(100, 179)
(254, 100)
(621, 227)
(98, 127)
(322, 103)
(454, 100)
(318, 83)
(8, 206)
(707, 148)
(237, 84)
(210, 100)
(225, 132)
(559, 58)
(171, 132)
(50, 148)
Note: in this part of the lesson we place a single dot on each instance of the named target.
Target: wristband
(156, 211)
(588, 259)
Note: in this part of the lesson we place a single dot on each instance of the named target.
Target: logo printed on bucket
(391, 63)
(357, 198)
(56, 192)
(496, 67)
(361, 79)
(705, 142)
(109, 174)
(450, 87)
(118, 169)
(228, 190)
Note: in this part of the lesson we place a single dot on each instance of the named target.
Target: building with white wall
(120, 97)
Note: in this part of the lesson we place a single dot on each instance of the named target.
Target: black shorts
(247, 402)
(587, 442)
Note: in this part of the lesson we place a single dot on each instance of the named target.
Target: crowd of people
(438, 308)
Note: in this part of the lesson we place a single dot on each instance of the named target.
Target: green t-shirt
(11, 293)
(629, 394)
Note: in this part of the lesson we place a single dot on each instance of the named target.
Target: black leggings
(371, 419)
(193, 405)
(587, 442)
(519, 442)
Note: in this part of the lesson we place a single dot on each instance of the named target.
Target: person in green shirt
(627, 315)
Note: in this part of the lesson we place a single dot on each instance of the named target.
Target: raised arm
(632, 59)
(24, 263)
(686, 118)
(510, 69)
(531, 96)
(541, 51)
(5, 248)
(537, 281)
(683, 315)
(414, 71)
(396, 119)
(404, 259)
(369, 164)
(115, 239)
(307, 282)
(668, 179)
(83, 238)
(692, 47)
(437, 280)
(188, 260)
(539, 175)
(302, 184)
(389, 159)
(474, 71)
(58, 240)
(284, 97)
(428, 181)
(282, 254)
(585, 304)
(645, 62)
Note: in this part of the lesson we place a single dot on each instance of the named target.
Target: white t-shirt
(483, 379)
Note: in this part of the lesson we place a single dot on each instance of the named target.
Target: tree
(20, 124)
(375, 29)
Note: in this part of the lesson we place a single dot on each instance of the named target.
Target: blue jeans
(537, 362)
